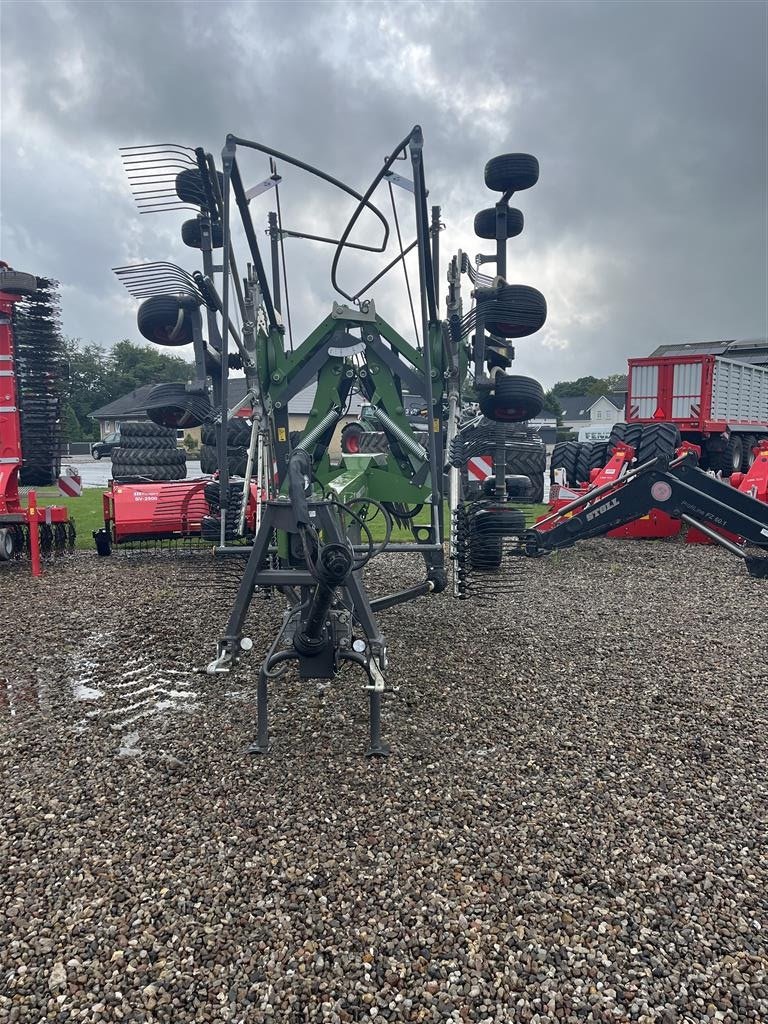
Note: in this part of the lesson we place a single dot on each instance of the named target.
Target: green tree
(98, 376)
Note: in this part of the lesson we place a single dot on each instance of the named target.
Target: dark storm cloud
(649, 120)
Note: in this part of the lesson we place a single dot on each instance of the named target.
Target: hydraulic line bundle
(313, 523)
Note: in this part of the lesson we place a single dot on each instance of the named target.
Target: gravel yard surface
(572, 826)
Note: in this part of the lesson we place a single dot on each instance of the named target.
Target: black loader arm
(678, 488)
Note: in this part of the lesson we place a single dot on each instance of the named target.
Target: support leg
(377, 748)
(261, 744)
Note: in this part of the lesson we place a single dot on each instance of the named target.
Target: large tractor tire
(165, 320)
(485, 223)
(237, 459)
(522, 461)
(511, 172)
(149, 457)
(238, 433)
(729, 460)
(750, 441)
(565, 455)
(146, 430)
(658, 439)
(121, 472)
(514, 399)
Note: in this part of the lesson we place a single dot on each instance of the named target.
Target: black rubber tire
(159, 473)
(583, 462)
(618, 433)
(599, 455)
(515, 171)
(565, 455)
(149, 457)
(192, 234)
(146, 429)
(212, 494)
(748, 457)
(658, 439)
(237, 459)
(515, 311)
(165, 320)
(238, 433)
(487, 532)
(350, 438)
(633, 435)
(531, 464)
(189, 187)
(171, 405)
(149, 443)
(730, 458)
(514, 399)
(485, 223)
(97, 455)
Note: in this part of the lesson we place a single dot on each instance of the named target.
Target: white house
(580, 411)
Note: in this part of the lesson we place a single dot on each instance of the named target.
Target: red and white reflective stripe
(70, 485)
(480, 467)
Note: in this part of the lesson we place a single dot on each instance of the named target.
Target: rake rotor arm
(679, 489)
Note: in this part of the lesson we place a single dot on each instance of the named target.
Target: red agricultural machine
(657, 522)
(718, 402)
(32, 529)
(149, 514)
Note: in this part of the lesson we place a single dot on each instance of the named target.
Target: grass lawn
(88, 515)
(85, 510)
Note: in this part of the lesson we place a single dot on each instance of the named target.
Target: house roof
(751, 350)
(576, 407)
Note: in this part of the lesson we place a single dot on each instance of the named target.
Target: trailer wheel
(192, 234)
(511, 171)
(514, 399)
(515, 311)
(487, 531)
(190, 189)
(729, 459)
(748, 458)
(165, 320)
(7, 545)
(485, 223)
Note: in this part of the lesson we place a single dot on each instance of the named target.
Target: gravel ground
(572, 826)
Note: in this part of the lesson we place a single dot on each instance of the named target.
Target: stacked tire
(148, 452)
(238, 440)
(210, 527)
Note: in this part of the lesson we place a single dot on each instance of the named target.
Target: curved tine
(168, 146)
(165, 209)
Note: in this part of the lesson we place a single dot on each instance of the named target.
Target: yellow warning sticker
(282, 434)
(436, 425)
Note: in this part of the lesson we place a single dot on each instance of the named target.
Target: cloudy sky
(650, 121)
